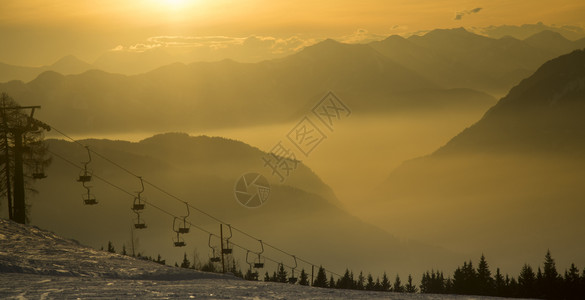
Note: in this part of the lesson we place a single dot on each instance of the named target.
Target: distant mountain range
(511, 185)
(66, 65)
(451, 58)
(182, 97)
(302, 215)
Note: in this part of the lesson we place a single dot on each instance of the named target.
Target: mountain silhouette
(511, 184)
(301, 215)
(543, 113)
(182, 97)
(66, 65)
(457, 58)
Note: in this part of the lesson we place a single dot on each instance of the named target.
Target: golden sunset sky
(37, 32)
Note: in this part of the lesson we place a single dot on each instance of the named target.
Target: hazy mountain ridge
(182, 97)
(459, 58)
(522, 160)
(449, 58)
(203, 171)
(66, 65)
(543, 113)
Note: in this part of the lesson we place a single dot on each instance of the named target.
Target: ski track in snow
(36, 264)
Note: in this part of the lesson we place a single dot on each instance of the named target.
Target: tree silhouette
(499, 284)
(332, 282)
(370, 283)
(550, 277)
(186, 263)
(111, 247)
(526, 282)
(321, 280)
(23, 155)
(359, 285)
(410, 287)
(304, 278)
(572, 287)
(485, 282)
(385, 285)
(282, 275)
(398, 288)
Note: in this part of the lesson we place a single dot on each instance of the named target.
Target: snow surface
(36, 264)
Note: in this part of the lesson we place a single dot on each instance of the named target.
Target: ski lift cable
(189, 222)
(178, 199)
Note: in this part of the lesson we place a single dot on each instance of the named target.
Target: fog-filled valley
(397, 153)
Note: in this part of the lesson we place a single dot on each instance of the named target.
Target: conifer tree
(526, 282)
(332, 282)
(485, 284)
(186, 263)
(321, 280)
(370, 283)
(398, 288)
(346, 282)
(360, 283)
(410, 288)
(377, 285)
(499, 284)
(111, 247)
(282, 275)
(550, 277)
(572, 284)
(385, 285)
(304, 278)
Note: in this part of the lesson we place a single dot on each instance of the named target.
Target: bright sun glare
(175, 3)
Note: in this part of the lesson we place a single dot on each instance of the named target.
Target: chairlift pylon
(85, 175)
(227, 249)
(213, 257)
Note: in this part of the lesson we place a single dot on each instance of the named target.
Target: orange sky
(90, 27)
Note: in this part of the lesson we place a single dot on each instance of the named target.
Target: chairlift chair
(213, 257)
(39, 172)
(85, 174)
(40, 175)
(292, 279)
(227, 249)
(179, 242)
(138, 203)
(182, 228)
(259, 263)
(138, 224)
(88, 198)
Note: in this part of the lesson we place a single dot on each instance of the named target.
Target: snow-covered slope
(30, 250)
(36, 264)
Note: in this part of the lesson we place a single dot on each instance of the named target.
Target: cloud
(209, 48)
(526, 30)
(459, 15)
(361, 36)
